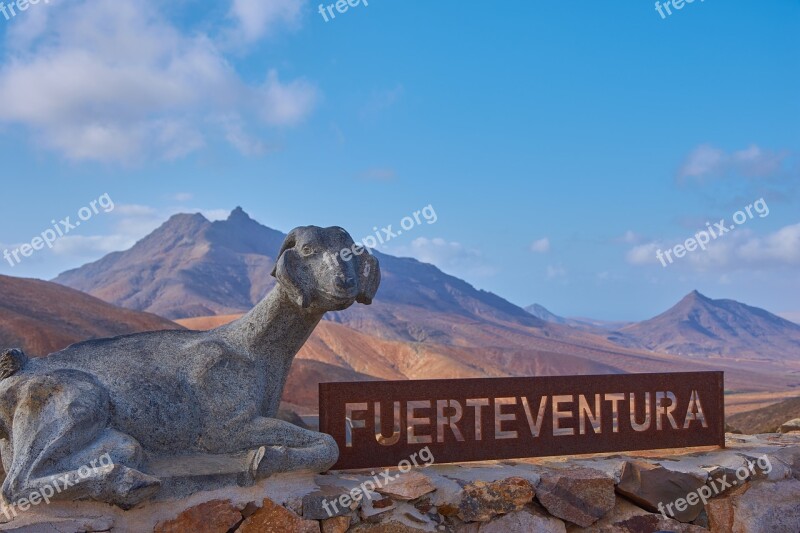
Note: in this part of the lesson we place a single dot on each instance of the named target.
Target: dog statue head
(323, 269)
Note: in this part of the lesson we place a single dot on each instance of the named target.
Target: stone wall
(751, 486)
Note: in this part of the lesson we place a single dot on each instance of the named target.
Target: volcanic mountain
(422, 324)
(42, 317)
(702, 327)
(190, 267)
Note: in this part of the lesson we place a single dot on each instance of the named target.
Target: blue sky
(560, 145)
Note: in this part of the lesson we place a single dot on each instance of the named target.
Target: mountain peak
(701, 326)
(239, 214)
(696, 296)
(188, 223)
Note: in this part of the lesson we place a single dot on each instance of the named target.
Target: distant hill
(539, 311)
(767, 419)
(586, 324)
(700, 326)
(42, 317)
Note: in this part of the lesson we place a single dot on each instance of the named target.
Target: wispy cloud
(540, 246)
(379, 174)
(256, 19)
(708, 162)
(380, 101)
(450, 256)
(738, 250)
(116, 81)
(556, 272)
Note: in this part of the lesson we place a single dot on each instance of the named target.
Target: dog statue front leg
(288, 447)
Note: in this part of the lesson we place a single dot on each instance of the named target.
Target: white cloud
(707, 161)
(183, 197)
(93, 246)
(286, 104)
(115, 81)
(257, 18)
(643, 254)
(631, 237)
(541, 246)
(213, 214)
(556, 272)
(735, 250)
(237, 136)
(781, 247)
(451, 257)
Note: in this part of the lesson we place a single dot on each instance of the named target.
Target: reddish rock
(447, 510)
(408, 486)
(579, 495)
(481, 501)
(215, 516)
(337, 524)
(274, 518)
(383, 503)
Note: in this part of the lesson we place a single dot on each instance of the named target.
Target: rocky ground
(752, 485)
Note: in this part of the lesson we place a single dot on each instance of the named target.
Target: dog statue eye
(307, 250)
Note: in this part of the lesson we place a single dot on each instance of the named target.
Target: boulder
(758, 507)
(481, 501)
(627, 517)
(408, 486)
(338, 524)
(661, 491)
(274, 518)
(578, 495)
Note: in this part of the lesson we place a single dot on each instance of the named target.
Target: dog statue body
(170, 393)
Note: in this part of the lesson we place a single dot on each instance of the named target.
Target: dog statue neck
(276, 328)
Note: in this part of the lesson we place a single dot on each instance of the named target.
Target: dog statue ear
(288, 271)
(369, 277)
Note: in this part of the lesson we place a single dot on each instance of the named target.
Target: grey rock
(759, 507)
(144, 398)
(326, 503)
(657, 489)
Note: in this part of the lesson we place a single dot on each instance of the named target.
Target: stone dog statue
(169, 394)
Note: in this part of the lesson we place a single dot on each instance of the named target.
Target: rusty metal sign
(380, 423)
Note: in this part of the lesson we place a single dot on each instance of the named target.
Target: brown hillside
(766, 419)
(42, 317)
